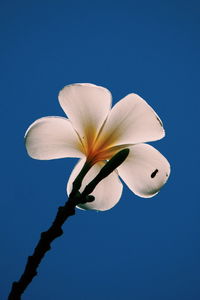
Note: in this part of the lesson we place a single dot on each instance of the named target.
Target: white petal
(145, 170)
(132, 121)
(52, 137)
(87, 106)
(107, 193)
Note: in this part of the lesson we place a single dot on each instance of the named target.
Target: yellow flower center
(98, 147)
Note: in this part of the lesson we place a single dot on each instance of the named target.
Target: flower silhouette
(94, 133)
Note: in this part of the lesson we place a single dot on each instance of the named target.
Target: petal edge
(131, 121)
(52, 138)
(145, 170)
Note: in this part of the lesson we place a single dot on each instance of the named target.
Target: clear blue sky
(142, 249)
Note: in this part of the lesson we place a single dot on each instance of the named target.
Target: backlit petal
(132, 121)
(145, 170)
(87, 106)
(52, 137)
(107, 193)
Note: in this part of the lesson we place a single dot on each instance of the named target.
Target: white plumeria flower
(94, 132)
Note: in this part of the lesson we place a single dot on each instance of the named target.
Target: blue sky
(142, 249)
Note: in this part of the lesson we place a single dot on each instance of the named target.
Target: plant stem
(47, 237)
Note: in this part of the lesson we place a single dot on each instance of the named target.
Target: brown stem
(47, 237)
(44, 245)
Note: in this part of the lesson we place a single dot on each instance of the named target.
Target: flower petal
(145, 170)
(52, 137)
(107, 193)
(87, 106)
(131, 121)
